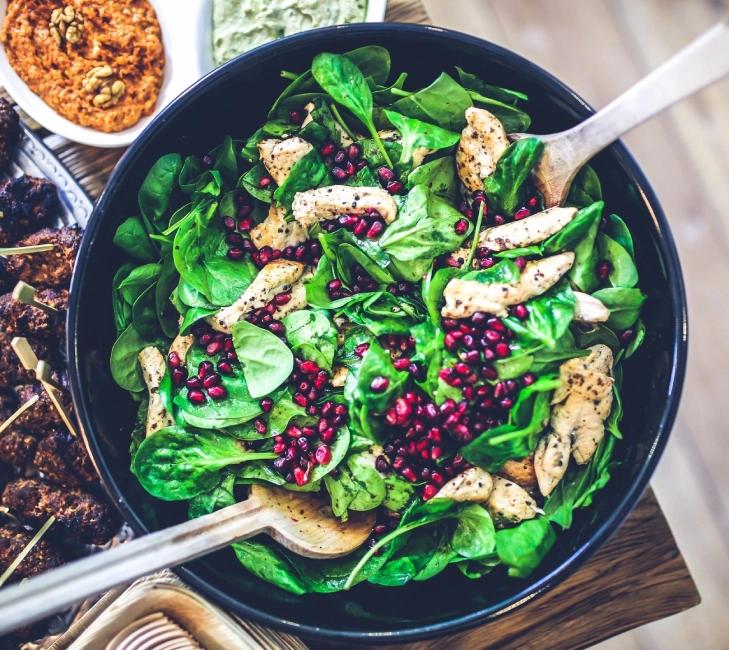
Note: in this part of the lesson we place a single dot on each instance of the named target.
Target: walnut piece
(66, 24)
(107, 91)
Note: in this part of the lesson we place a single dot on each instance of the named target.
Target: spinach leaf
(475, 535)
(377, 363)
(584, 270)
(624, 306)
(513, 119)
(505, 272)
(166, 312)
(269, 564)
(622, 268)
(549, 315)
(399, 493)
(433, 288)
(122, 309)
(373, 61)
(424, 228)
(439, 176)
(221, 496)
(225, 162)
(597, 333)
(144, 315)
(574, 231)
(523, 547)
(637, 340)
(585, 189)
(363, 178)
(251, 183)
(139, 433)
(372, 258)
(505, 188)
(343, 81)
(138, 280)
(504, 95)
(383, 313)
(124, 363)
(622, 235)
(175, 464)
(193, 315)
(518, 437)
(132, 237)
(157, 190)
(266, 360)
(313, 335)
(416, 133)
(308, 173)
(444, 103)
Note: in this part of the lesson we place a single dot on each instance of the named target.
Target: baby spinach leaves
(175, 463)
(505, 188)
(267, 361)
(132, 237)
(624, 305)
(157, 191)
(345, 83)
(523, 547)
(124, 364)
(417, 134)
(308, 173)
(439, 176)
(622, 268)
(444, 103)
(377, 363)
(585, 189)
(312, 335)
(270, 565)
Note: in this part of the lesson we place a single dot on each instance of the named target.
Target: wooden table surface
(638, 577)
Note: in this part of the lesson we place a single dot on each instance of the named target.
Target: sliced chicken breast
(551, 459)
(298, 297)
(181, 345)
(475, 484)
(276, 232)
(276, 277)
(153, 370)
(334, 201)
(342, 135)
(279, 156)
(465, 297)
(520, 472)
(584, 401)
(480, 147)
(339, 378)
(589, 309)
(509, 503)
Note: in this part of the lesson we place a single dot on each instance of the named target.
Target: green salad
(368, 299)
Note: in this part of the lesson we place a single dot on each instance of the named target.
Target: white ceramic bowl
(183, 22)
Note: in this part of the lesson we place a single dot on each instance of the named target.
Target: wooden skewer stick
(19, 412)
(26, 293)
(43, 372)
(27, 250)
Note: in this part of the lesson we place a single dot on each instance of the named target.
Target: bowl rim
(622, 509)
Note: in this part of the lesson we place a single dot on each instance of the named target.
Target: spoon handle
(698, 65)
(60, 588)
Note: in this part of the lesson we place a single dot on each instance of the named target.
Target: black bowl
(234, 100)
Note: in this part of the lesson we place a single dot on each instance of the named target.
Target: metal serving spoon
(299, 521)
(698, 65)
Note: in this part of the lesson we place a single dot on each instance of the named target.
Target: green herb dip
(241, 25)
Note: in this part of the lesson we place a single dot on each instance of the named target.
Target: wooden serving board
(638, 577)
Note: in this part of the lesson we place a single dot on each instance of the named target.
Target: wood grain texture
(638, 577)
(406, 11)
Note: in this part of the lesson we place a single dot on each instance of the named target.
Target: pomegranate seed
(386, 175)
(401, 364)
(409, 474)
(204, 369)
(499, 220)
(349, 221)
(260, 425)
(529, 379)
(354, 151)
(429, 492)
(279, 448)
(229, 224)
(211, 380)
(205, 339)
(216, 347)
(521, 312)
(506, 403)
(603, 269)
(301, 476)
(489, 372)
(173, 358)
(520, 263)
(361, 227)
(393, 187)
(245, 225)
(217, 392)
(264, 182)
(375, 230)
(340, 157)
(277, 328)
(300, 399)
(178, 376)
(381, 464)
(450, 342)
(327, 409)
(461, 227)
(265, 254)
(339, 173)
(533, 202)
(193, 383)
(350, 168)
(225, 368)
(196, 397)
(328, 149)
(323, 455)
(360, 350)
(309, 368)
(380, 384)
(266, 404)
(334, 285)
(626, 335)
(328, 435)
(462, 368)
(321, 379)
(234, 239)
(521, 214)
(502, 350)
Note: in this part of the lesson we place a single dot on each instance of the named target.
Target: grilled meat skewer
(19, 319)
(27, 204)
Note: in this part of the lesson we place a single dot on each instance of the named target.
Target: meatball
(19, 319)
(6, 474)
(43, 415)
(64, 461)
(9, 132)
(49, 269)
(79, 515)
(17, 447)
(27, 204)
(12, 372)
(42, 557)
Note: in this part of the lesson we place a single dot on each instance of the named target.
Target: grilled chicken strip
(298, 297)
(584, 401)
(279, 156)
(520, 472)
(276, 277)
(181, 345)
(475, 484)
(278, 233)
(79, 515)
(465, 297)
(154, 369)
(480, 147)
(64, 460)
(589, 309)
(51, 268)
(19, 319)
(339, 378)
(42, 557)
(508, 503)
(551, 458)
(336, 200)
